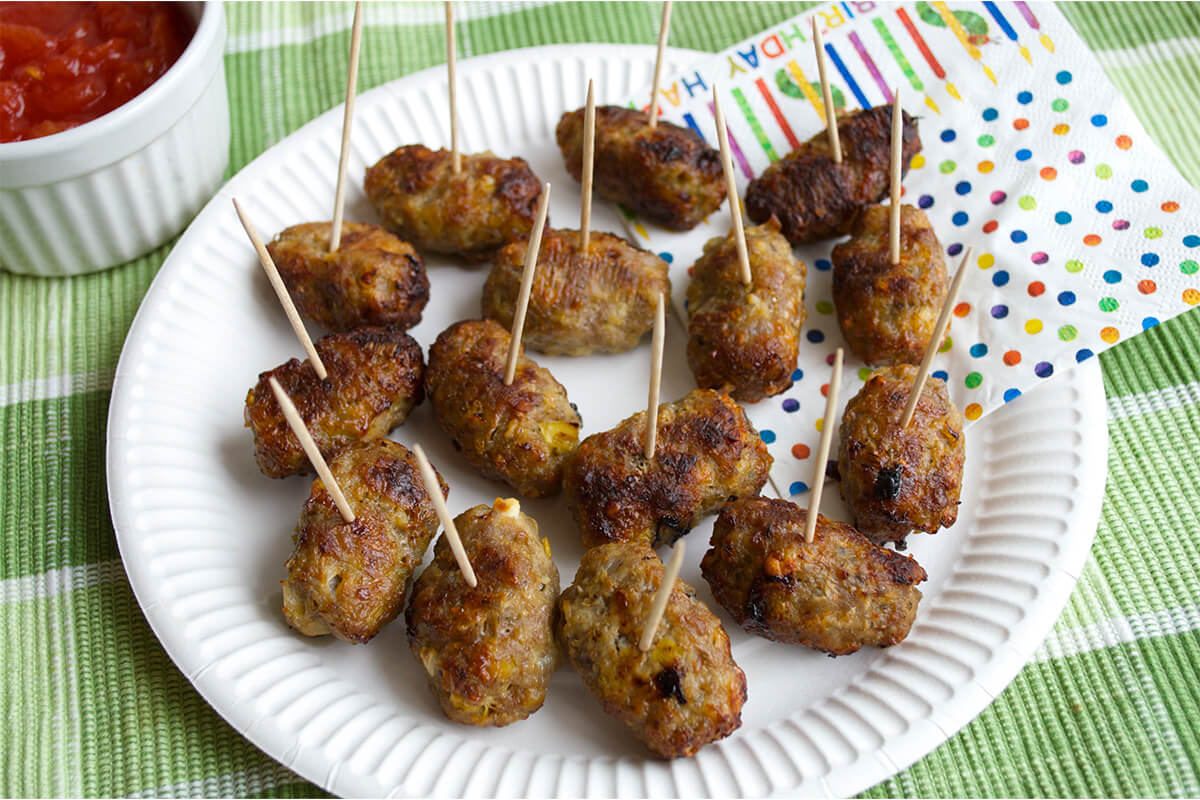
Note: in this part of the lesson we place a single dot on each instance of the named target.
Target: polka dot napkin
(1082, 233)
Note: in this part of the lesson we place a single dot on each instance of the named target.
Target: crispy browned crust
(895, 481)
(520, 434)
(745, 340)
(707, 454)
(687, 690)
(374, 380)
(667, 174)
(471, 214)
(373, 278)
(888, 311)
(835, 594)
(349, 578)
(578, 304)
(488, 652)
(815, 198)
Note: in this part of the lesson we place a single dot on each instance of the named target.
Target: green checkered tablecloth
(91, 704)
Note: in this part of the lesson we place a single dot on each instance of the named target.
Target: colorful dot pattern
(1081, 235)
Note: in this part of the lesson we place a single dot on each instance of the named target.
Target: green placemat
(1109, 706)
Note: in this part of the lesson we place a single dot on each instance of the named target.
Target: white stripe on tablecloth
(1149, 53)
(1164, 399)
(384, 15)
(243, 782)
(1118, 630)
(1141, 690)
(54, 387)
(58, 581)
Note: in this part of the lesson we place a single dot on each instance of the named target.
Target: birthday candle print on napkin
(1083, 234)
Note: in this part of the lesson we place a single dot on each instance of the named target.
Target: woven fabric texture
(93, 706)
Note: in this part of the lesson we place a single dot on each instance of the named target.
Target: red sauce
(64, 64)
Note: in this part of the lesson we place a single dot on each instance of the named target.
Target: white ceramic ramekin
(117, 187)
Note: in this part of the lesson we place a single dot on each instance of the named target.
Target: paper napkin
(1083, 234)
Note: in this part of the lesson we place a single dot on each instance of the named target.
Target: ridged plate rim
(860, 734)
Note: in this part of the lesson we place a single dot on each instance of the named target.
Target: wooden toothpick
(827, 426)
(339, 197)
(894, 211)
(531, 257)
(434, 490)
(663, 28)
(656, 357)
(310, 449)
(281, 292)
(659, 605)
(456, 158)
(835, 144)
(735, 206)
(935, 341)
(589, 156)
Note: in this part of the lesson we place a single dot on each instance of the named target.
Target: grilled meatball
(888, 311)
(835, 594)
(682, 694)
(601, 301)
(488, 652)
(471, 214)
(895, 481)
(349, 578)
(520, 433)
(745, 340)
(374, 380)
(816, 198)
(667, 174)
(707, 455)
(373, 278)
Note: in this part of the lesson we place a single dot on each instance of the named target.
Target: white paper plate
(204, 536)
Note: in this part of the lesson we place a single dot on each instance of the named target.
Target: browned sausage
(896, 481)
(349, 578)
(666, 173)
(816, 198)
(373, 278)
(687, 690)
(707, 455)
(835, 594)
(489, 651)
(374, 380)
(472, 213)
(888, 311)
(745, 339)
(578, 304)
(521, 433)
